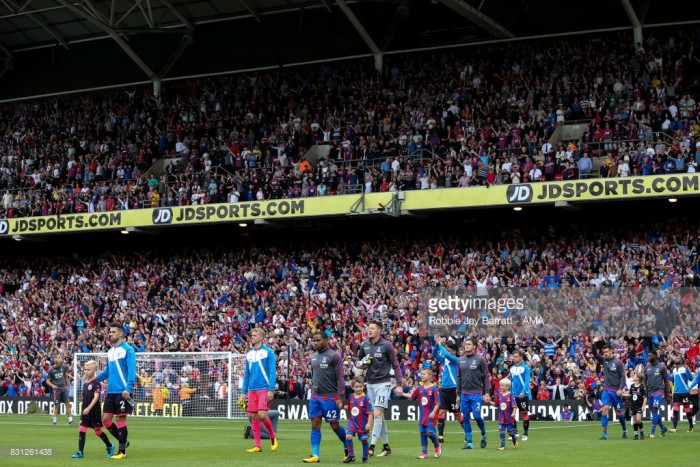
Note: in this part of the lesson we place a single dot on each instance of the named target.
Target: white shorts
(379, 394)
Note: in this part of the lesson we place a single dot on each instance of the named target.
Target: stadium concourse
(457, 118)
(197, 289)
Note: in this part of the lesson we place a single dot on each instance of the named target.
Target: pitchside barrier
(297, 409)
(408, 411)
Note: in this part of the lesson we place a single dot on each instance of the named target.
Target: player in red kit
(428, 397)
(507, 408)
(360, 409)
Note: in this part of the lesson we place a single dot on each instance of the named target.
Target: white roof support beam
(642, 10)
(114, 24)
(636, 24)
(327, 5)
(5, 60)
(147, 14)
(251, 10)
(91, 17)
(402, 12)
(93, 11)
(23, 12)
(112, 12)
(478, 18)
(376, 51)
(10, 5)
(52, 31)
(187, 39)
(26, 4)
(175, 12)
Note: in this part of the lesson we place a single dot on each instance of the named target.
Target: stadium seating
(460, 119)
(59, 305)
(464, 118)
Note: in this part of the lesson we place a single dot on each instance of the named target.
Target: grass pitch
(201, 442)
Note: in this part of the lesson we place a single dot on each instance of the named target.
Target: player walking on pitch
(359, 421)
(681, 393)
(520, 380)
(473, 377)
(637, 396)
(327, 393)
(658, 391)
(614, 384)
(57, 379)
(91, 416)
(507, 409)
(377, 355)
(121, 375)
(259, 379)
(446, 354)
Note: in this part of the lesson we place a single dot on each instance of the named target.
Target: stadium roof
(136, 41)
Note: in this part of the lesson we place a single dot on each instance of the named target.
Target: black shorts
(91, 420)
(683, 399)
(693, 399)
(636, 409)
(60, 395)
(117, 405)
(523, 404)
(448, 400)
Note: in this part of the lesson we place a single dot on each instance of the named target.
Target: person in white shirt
(560, 114)
(396, 165)
(535, 174)
(424, 182)
(547, 148)
(666, 125)
(506, 169)
(468, 169)
(673, 109)
(515, 177)
(623, 169)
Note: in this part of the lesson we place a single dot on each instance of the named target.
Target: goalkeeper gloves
(366, 360)
(242, 404)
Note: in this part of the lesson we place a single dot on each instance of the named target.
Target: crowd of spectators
(208, 298)
(454, 119)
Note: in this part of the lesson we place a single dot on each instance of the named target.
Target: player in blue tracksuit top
(121, 376)
(446, 354)
(259, 380)
(681, 393)
(260, 370)
(520, 380)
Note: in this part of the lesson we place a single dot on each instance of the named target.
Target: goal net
(184, 384)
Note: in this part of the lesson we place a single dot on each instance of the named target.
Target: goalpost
(180, 384)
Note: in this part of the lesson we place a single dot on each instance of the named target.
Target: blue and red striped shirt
(505, 404)
(428, 399)
(359, 408)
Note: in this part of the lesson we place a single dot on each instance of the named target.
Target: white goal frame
(233, 380)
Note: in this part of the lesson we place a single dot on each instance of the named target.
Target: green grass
(195, 442)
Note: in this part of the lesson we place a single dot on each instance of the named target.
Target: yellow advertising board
(449, 198)
(551, 192)
(183, 215)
